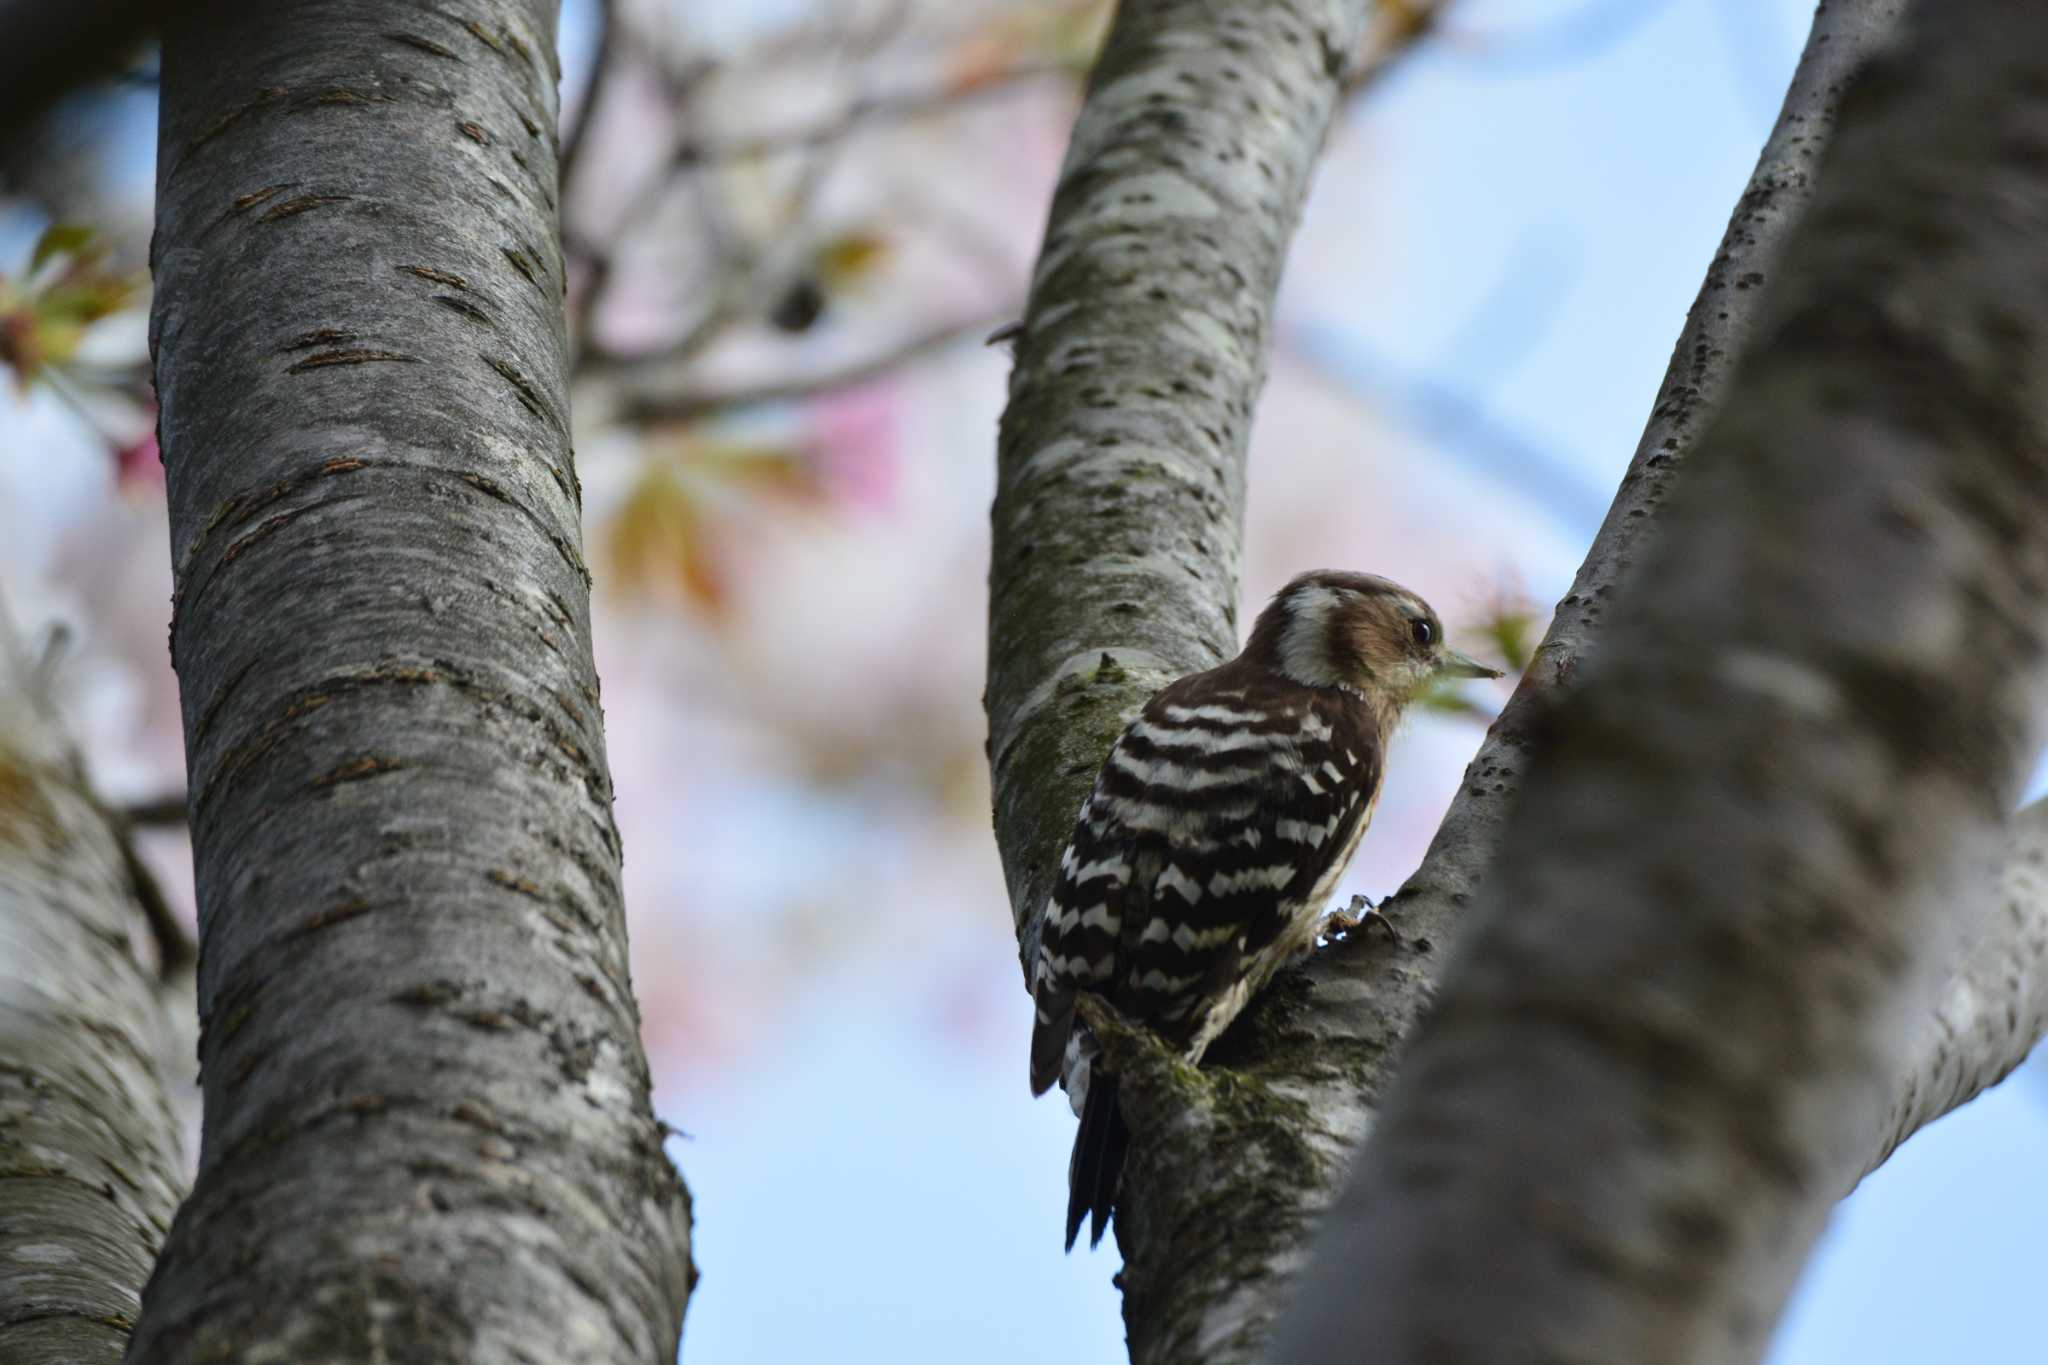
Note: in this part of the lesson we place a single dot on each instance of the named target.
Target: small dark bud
(800, 306)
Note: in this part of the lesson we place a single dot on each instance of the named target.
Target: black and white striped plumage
(1218, 828)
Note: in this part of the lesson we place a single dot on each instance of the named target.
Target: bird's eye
(1424, 631)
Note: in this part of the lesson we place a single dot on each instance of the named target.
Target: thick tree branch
(1121, 457)
(427, 1128)
(1727, 896)
(89, 1167)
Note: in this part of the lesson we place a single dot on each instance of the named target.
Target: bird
(1218, 827)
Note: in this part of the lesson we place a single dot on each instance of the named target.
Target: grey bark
(1994, 1008)
(1120, 463)
(427, 1129)
(1731, 888)
(1121, 456)
(89, 1166)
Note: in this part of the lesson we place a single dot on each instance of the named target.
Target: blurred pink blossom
(140, 463)
(858, 434)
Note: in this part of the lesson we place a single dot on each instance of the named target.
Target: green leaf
(60, 239)
(1445, 697)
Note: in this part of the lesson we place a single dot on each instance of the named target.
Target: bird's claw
(1359, 914)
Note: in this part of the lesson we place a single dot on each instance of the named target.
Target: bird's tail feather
(1098, 1162)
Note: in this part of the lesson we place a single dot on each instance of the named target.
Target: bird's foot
(1359, 914)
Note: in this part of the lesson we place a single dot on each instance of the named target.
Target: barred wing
(1218, 826)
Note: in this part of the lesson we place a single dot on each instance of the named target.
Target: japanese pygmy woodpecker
(1218, 828)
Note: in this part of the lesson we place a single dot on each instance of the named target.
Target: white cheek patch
(1304, 644)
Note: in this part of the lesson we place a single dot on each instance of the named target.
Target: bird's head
(1357, 631)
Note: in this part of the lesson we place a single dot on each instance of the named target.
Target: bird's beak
(1451, 664)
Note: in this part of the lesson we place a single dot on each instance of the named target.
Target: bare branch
(158, 811)
(89, 1164)
(1121, 460)
(891, 107)
(659, 396)
(658, 381)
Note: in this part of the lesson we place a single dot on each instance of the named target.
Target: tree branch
(656, 384)
(1995, 1007)
(89, 1164)
(1727, 893)
(1120, 483)
(893, 106)
(156, 812)
(427, 1127)
(640, 396)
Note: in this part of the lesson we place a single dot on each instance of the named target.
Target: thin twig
(894, 107)
(686, 404)
(161, 812)
(174, 947)
(28, 680)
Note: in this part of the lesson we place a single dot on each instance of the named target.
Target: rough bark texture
(1995, 1006)
(89, 1169)
(1729, 892)
(1144, 344)
(427, 1130)
(1715, 336)
(1232, 1163)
